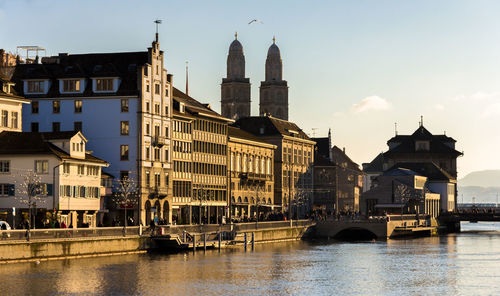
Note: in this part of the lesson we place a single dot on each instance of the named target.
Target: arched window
(238, 162)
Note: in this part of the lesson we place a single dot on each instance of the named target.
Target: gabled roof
(427, 169)
(398, 171)
(236, 132)
(376, 165)
(14, 143)
(193, 106)
(406, 144)
(122, 64)
(340, 157)
(270, 126)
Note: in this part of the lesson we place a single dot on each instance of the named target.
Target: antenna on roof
(157, 22)
(396, 128)
(187, 79)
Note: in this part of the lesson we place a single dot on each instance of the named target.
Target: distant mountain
(478, 194)
(489, 178)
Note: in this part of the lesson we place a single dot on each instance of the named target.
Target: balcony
(158, 192)
(159, 141)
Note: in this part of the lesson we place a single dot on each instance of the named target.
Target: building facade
(200, 138)
(433, 156)
(10, 106)
(68, 177)
(121, 102)
(251, 176)
(235, 88)
(293, 162)
(274, 90)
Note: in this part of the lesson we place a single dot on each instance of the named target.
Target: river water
(467, 263)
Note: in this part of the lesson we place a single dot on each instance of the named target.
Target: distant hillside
(490, 178)
(469, 194)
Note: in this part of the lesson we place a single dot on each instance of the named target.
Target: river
(467, 263)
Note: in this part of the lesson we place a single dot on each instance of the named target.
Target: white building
(10, 106)
(70, 177)
(120, 101)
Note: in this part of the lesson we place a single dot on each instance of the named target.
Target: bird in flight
(255, 21)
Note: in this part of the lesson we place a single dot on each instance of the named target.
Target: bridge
(381, 227)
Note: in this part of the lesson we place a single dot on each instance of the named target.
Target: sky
(357, 67)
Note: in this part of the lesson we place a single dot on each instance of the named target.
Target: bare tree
(30, 189)
(126, 194)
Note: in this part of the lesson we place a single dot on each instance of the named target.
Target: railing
(40, 234)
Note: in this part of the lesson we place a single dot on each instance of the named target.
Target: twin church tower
(235, 89)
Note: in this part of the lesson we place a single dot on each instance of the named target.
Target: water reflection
(465, 263)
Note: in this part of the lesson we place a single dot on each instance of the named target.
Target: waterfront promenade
(46, 244)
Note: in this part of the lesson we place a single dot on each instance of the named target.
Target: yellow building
(293, 161)
(251, 175)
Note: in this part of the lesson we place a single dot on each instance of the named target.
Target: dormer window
(71, 85)
(422, 145)
(36, 86)
(105, 84)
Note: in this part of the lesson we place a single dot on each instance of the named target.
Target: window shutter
(12, 190)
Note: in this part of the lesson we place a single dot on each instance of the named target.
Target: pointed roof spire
(421, 120)
(236, 35)
(274, 39)
(187, 79)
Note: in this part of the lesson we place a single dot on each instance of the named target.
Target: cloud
(439, 107)
(371, 103)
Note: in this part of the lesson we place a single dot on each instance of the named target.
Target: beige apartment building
(199, 161)
(293, 161)
(251, 175)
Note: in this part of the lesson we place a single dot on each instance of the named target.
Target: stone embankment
(52, 244)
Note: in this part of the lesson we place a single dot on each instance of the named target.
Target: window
(4, 166)
(56, 106)
(157, 179)
(36, 86)
(124, 105)
(124, 128)
(157, 154)
(66, 168)
(123, 152)
(7, 189)
(147, 152)
(148, 178)
(78, 106)
(56, 126)
(77, 126)
(123, 175)
(35, 107)
(166, 180)
(34, 126)
(147, 86)
(157, 108)
(166, 131)
(14, 123)
(41, 166)
(157, 88)
(147, 129)
(166, 110)
(104, 84)
(81, 169)
(71, 85)
(5, 118)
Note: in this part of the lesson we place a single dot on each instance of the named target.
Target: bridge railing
(50, 233)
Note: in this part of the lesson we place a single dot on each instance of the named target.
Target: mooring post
(245, 241)
(253, 240)
(194, 243)
(205, 242)
(184, 236)
(220, 238)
